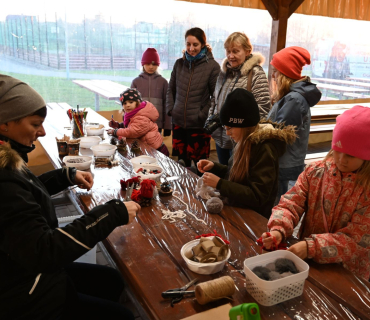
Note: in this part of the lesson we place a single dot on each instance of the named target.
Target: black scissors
(177, 294)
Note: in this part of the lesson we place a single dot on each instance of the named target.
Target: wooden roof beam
(294, 5)
(280, 11)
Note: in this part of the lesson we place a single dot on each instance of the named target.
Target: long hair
(197, 33)
(281, 88)
(240, 167)
(240, 38)
(362, 174)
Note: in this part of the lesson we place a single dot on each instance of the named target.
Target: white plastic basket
(88, 257)
(269, 293)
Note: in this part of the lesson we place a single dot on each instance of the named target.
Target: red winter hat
(290, 61)
(150, 56)
(350, 133)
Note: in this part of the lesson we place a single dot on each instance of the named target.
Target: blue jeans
(286, 175)
(223, 154)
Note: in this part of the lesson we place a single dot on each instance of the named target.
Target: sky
(127, 12)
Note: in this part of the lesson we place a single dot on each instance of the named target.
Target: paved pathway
(11, 64)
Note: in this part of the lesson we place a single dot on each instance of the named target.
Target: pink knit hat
(150, 56)
(350, 134)
(290, 61)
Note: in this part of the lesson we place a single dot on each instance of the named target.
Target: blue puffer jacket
(294, 109)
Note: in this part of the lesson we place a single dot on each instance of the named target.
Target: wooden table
(147, 251)
(105, 88)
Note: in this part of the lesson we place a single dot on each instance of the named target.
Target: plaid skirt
(190, 144)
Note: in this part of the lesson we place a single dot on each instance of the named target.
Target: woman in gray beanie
(37, 277)
(251, 177)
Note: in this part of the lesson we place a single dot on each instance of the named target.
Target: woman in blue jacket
(293, 96)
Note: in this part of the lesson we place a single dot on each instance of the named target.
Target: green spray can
(245, 311)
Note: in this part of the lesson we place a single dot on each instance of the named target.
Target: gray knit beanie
(17, 99)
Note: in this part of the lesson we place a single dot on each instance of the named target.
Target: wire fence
(97, 44)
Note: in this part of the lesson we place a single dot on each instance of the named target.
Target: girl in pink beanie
(334, 194)
(153, 88)
(292, 98)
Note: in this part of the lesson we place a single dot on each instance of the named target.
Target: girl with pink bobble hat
(334, 194)
(153, 88)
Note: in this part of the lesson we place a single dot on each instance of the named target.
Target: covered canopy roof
(346, 9)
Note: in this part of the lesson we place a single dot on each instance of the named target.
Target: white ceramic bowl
(202, 268)
(88, 142)
(103, 150)
(79, 165)
(139, 161)
(149, 167)
(94, 130)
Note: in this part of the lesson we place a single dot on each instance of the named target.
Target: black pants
(93, 293)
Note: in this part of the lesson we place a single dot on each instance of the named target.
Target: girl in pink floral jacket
(335, 195)
(138, 121)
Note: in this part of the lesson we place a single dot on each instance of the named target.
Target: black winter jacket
(33, 250)
(259, 189)
(190, 91)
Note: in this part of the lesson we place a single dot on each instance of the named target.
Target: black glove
(166, 132)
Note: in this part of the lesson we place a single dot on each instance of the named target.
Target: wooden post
(280, 11)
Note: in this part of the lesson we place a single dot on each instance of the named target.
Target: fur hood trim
(256, 59)
(10, 159)
(273, 130)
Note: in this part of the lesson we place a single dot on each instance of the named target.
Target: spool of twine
(214, 290)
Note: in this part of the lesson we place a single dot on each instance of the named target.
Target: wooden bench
(322, 128)
(328, 98)
(355, 95)
(312, 157)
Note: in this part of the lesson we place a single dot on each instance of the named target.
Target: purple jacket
(153, 88)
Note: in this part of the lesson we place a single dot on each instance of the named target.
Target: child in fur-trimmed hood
(250, 179)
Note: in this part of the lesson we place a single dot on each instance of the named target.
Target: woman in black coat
(189, 94)
(37, 279)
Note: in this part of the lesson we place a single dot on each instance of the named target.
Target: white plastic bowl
(80, 166)
(139, 161)
(202, 268)
(149, 167)
(94, 130)
(103, 150)
(88, 142)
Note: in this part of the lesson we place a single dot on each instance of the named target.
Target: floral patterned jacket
(322, 190)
